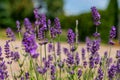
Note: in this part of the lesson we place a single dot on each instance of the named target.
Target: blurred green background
(12, 10)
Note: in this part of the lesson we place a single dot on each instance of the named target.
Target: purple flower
(97, 59)
(83, 53)
(118, 54)
(85, 64)
(36, 14)
(60, 64)
(113, 32)
(50, 47)
(88, 44)
(43, 24)
(58, 48)
(15, 56)
(112, 72)
(3, 71)
(30, 45)
(7, 49)
(53, 32)
(109, 61)
(53, 71)
(70, 59)
(77, 58)
(96, 16)
(28, 26)
(95, 46)
(100, 74)
(57, 26)
(79, 73)
(47, 63)
(42, 70)
(50, 58)
(10, 34)
(72, 72)
(22, 78)
(96, 34)
(65, 50)
(106, 54)
(73, 48)
(91, 62)
(112, 35)
(18, 25)
(27, 76)
(41, 34)
(1, 58)
(70, 36)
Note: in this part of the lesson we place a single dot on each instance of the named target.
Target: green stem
(36, 73)
(76, 30)
(45, 51)
(109, 52)
(11, 72)
(60, 57)
(54, 52)
(41, 54)
(19, 35)
(33, 68)
(88, 77)
(45, 58)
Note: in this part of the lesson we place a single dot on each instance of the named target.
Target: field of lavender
(40, 55)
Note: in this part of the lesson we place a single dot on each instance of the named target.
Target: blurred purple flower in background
(57, 25)
(71, 37)
(112, 35)
(18, 25)
(10, 34)
(36, 14)
(96, 16)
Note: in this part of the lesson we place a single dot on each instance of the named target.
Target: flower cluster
(96, 16)
(46, 57)
(112, 35)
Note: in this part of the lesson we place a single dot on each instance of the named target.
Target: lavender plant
(43, 58)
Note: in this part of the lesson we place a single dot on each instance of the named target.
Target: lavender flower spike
(71, 36)
(112, 35)
(10, 34)
(18, 25)
(96, 16)
(36, 14)
(30, 44)
(57, 26)
(113, 32)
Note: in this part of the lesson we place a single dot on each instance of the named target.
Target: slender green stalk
(45, 51)
(41, 54)
(45, 58)
(33, 68)
(19, 35)
(36, 73)
(54, 51)
(89, 77)
(76, 31)
(109, 52)
(60, 59)
(11, 72)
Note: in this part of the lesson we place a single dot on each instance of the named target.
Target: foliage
(10, 10)
(54, 8)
